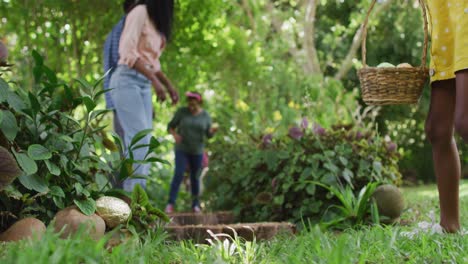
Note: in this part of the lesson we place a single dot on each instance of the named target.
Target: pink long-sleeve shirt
(140, 40)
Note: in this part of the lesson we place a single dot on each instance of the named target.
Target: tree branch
(248, 10)
(347, 63)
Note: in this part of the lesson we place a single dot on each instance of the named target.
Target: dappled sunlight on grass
(430, 191)
(431, 194)
(421, 200)
(464, 190)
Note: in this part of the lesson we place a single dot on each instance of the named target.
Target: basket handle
(364, 33)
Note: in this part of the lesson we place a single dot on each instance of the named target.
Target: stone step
(247, 231)
(182, 219)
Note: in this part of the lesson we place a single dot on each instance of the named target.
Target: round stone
(71, 220)
(26, 228)
(113, 210)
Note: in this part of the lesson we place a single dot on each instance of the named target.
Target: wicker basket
(393, 86)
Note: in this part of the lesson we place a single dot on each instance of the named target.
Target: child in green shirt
(190, 127)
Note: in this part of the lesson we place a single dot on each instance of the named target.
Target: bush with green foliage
(269, 179)
(58, 140)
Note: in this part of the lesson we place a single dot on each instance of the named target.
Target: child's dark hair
(128, 5)
(161, 13)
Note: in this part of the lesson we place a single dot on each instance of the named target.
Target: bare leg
(439, 130)
(461, 111)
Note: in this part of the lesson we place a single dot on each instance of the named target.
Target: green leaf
(27, 164)
(306, 173)
(374, 212)
(278, 200)
(59, 144)
(377, 165)
(139, 197)
(34, 182)
(155, 159)
(102, 92)
(37, 71)
(58, 202)
(331, 167)
(310, 189)
(35, 106)
(126, 169)
(57, 191)
(344, 161)
(37, 58)
(158, 213)
(52, 118)
(85, 149)
(9, 126)
(51, 76)
(4, 89)
(79, 188)
(16, 102)
(364, 198)
(97, 113)
(63, 164)
(89, 103)
(38, 152)
(101, 180)
(87, 206)
(85, 84)
(140, 146)
(99, 81)
(348, 176)
(1, 117)
(12, 192)
(98, 129)
(53, 169)
(154, 144)
(70, 118)
(117, 141)
(138, 136)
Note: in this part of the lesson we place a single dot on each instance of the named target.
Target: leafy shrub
(269, 179)
(59, 143)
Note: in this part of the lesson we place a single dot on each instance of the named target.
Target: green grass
(366, 245)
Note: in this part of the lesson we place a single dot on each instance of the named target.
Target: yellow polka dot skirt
(449, 34)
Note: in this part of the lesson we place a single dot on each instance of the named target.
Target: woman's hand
(174, 95)
(158, 89)
(148, 70)
(214, 128)
(177, 138)
(162, 78)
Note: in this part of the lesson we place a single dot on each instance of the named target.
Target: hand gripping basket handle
(364, 33)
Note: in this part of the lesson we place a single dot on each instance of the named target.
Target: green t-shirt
(192, 128)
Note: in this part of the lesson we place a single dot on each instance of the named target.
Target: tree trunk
(313, 65)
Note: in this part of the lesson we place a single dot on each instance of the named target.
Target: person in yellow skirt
(448, 111)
